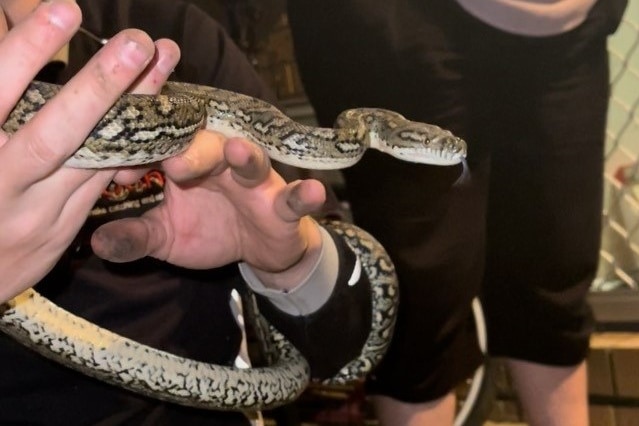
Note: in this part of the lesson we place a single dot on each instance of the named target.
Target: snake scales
(143, 129)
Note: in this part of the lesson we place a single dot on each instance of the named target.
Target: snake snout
(441, 149)
(454, 146)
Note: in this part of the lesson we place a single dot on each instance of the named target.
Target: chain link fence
(619, 260)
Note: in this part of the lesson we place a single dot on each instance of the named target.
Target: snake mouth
(447, 150)
(439, 160)
(436, 154)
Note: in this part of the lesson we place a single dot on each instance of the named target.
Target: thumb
(126, 240)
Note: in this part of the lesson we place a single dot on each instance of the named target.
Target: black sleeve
(333, 335)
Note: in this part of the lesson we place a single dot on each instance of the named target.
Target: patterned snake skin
(144, 129)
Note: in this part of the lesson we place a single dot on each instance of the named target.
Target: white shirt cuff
(311, 294)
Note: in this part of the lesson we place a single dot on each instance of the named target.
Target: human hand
(42, 203)
(224, 203)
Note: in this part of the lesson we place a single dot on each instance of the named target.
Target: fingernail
(62, 14)
(134, 53)
(168, 60)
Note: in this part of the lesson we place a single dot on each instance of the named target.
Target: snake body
(145, 129)
(142, 129)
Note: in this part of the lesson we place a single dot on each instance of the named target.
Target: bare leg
(391, 412)
(551, 396)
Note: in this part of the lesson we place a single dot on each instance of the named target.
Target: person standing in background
(525, 83)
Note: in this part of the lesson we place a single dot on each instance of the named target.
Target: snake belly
(143, 129)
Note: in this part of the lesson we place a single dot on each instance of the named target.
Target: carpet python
(142, 129)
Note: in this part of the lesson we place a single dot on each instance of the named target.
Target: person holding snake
(125, 267)
(526, 83)
(44, 206)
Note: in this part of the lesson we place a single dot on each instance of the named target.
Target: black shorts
(522, 227)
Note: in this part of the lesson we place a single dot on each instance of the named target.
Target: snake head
(406, 140)
(425, 144)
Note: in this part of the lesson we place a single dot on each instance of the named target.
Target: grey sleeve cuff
(312, 292)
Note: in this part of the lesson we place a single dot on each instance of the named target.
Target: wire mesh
(619, 255)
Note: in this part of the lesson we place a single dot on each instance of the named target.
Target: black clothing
(532, 110)
(181, 311)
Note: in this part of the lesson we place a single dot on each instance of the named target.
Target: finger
(130, 176)
(250, 164)
(204, 157)
(300, 198)
(167, 55)
(82, 199)
(30, 45)
(75, 110)
(126, 240)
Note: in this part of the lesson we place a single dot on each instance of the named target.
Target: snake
(144, 129)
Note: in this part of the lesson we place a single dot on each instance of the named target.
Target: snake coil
(144, 129)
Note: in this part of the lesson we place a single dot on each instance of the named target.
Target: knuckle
(38, 148)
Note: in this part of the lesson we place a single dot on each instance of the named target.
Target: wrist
(301, 291)
(296, 273)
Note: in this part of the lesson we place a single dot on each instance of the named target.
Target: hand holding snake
(41, 201)
(240, 209)
(269, 227)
